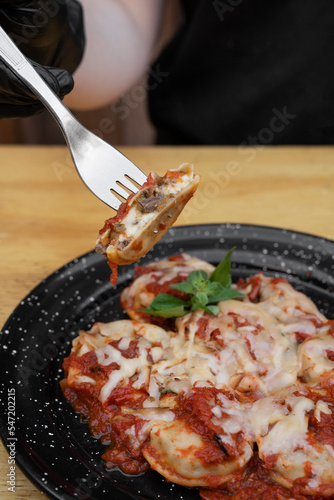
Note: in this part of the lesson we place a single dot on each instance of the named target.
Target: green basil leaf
(213, 288)
(196, 278)
(165, 301)
(222, 273)
(201, 298)
(183, 287)
(174, 312)
(225, 294)
(166, 306)
(212, 309)
(195, 306)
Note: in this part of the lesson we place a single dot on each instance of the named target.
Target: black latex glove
(51, 34)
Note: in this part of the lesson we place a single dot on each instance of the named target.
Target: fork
(103, 168)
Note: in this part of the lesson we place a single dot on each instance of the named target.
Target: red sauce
(249, 346)
(255, 282)
(270, 460)
(88, 366)
(84, 399)
(177, 258)
(202, 324)
(253, 295)
(316, 321)
(331, 327)
(173, 174)
(121, 213)
(216, 335)
(127, 395)
(210, 453)
(330, 355)
(114, 272)
(322, 431)
(149, 182)
(130, 352)
(253, 484)
(154, 287)
(275, 281)
(141, 270)
(196, 410)
(239, 321)
(301, 336)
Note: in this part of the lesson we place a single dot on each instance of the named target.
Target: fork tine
(109, 199)
(120, 191)
(128, 184)
(131, 170)
(135, 174)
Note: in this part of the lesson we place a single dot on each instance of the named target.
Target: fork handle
(22, 68)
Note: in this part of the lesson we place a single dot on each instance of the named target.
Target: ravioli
(210, 401)
(146, 216)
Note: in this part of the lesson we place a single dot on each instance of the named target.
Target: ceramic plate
(52, 447)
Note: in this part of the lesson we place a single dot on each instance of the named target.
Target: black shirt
(247, 72)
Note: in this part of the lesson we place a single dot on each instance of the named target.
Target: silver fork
(101, 167)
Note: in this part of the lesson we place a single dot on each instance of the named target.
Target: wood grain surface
(48, 217)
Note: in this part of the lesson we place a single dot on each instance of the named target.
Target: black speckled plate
(52, 446)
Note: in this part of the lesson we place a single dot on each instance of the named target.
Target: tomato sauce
(155, 287)
(114, 272)
(301, 336)
(202, 324)
(330, 355)
(255, 282)
(141, 270)
(238, 320)
(331, 327)
(121, 213)
(255, 484)
(129, 353)
(323, 430)
(177, 258)
(173, 174)
(196, 411)
(119, 450)
(122, 451)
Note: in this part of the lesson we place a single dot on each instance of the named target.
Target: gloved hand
(51, 34)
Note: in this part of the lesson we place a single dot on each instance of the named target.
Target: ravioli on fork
(144, 218)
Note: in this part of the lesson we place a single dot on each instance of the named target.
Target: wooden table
(48, 217)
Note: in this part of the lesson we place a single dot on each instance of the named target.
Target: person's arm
(120, 38)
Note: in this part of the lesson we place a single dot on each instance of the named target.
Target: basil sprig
(204, 293)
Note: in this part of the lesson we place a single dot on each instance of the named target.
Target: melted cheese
(289, 432)
(313, 358)
(246, 348)
(321, 407)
